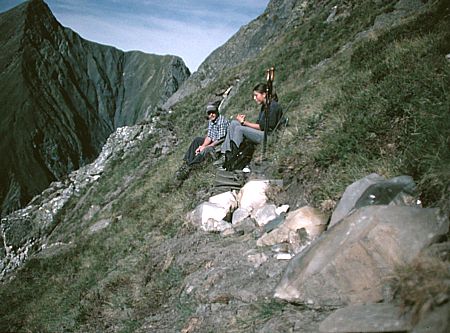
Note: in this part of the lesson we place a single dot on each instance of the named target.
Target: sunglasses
(209, 114)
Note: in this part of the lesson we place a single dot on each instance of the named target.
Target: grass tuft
(423, 285)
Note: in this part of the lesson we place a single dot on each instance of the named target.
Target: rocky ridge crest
(62, 96)
(24, 232)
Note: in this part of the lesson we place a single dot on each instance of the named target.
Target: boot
(183, 172)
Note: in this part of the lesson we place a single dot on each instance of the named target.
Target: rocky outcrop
(24, 232)
(375, 190)
(348, 263)
(376, 227)
(62, 96)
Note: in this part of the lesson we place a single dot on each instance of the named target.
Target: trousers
(237, 133)
(190, 157)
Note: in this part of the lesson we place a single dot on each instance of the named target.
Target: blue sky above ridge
(189, 29)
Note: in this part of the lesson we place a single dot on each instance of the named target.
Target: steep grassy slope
(361, 100)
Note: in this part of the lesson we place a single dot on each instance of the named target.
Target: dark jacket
(275, 114)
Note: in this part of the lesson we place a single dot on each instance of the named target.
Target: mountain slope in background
(245, 45)
(62, 97)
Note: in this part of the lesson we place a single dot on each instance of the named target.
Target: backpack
(238, 158)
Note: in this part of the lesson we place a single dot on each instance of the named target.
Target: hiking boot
(183, 172)
(228, 160)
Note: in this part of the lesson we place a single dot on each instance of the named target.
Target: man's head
(212, 112)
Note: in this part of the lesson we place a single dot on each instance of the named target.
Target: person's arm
(205, 144)
(241, 119)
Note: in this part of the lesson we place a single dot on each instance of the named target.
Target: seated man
(201, 146)
(241, 129)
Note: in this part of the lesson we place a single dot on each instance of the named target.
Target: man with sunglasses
(202, 146)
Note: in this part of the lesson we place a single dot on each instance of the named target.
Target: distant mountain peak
(38, 12)
(62, 96)
(37, 5)
(30, 7)
(27, 17)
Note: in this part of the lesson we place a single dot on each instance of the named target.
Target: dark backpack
(238, 158)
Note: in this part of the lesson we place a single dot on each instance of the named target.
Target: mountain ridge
(64, 96)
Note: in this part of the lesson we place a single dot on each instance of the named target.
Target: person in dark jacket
(240, 128)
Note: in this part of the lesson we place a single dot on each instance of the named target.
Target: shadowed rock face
(62, 96)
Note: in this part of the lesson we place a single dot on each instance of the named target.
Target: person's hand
(240, 118)
(199, 150)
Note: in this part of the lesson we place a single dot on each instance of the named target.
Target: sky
(186, 28)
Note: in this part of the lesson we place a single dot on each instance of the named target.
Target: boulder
(265, 214)
(374, 190)
(226, 200)
(348, 263)
(206, 214)
(277, 236)
(239, 215)
(311, 219)
(253, 195)
(246, 226)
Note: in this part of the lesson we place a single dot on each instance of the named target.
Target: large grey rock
(245, 226)
(239, 215)
(265, 214)
(371, 318)
(374, 190)
(348, 263)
